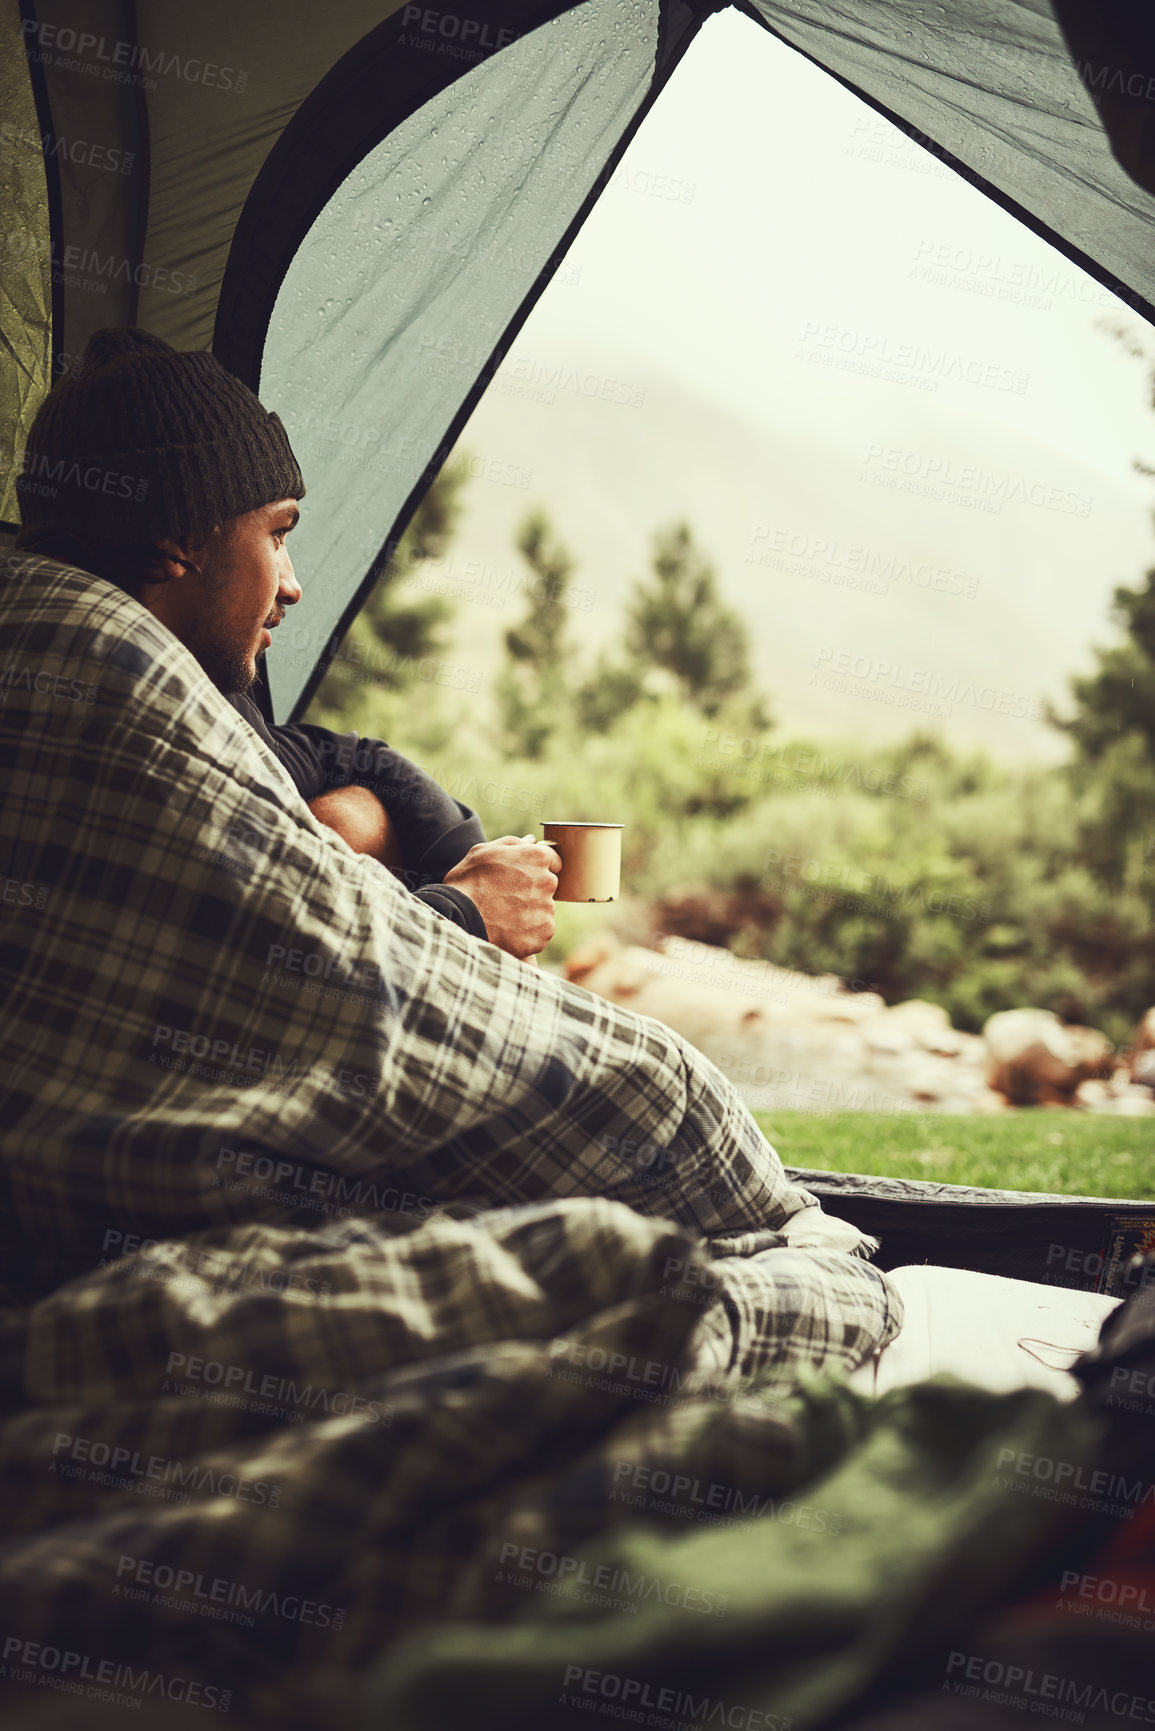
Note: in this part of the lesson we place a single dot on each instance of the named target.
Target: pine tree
(677, 621)
(396, 629)
(1119, 699)
(532, 689)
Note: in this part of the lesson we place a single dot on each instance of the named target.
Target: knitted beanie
(146, 440)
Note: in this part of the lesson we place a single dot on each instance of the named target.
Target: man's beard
(227, 664)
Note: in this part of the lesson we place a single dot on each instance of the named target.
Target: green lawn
(1065, 1152)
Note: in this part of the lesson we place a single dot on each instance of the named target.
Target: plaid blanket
(337, 1227)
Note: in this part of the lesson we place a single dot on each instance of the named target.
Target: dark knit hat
(146, 440)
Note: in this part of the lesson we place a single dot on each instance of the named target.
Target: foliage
(398, 632)
(532, 688)
(677, 622)
(918, 869)
(1119, 699)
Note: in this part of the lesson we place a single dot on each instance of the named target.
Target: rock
(987, 1100)
(590, 955)
(1036, 1060)
(1143, 1069)
(715, 916)
(929, 1026)
(1131, 1103)
(791, 1039)
(1143, 1052)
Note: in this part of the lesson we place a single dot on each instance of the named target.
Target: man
(201, 541)
(299, 1181)
(230, 994)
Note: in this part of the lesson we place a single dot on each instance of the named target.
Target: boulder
(1036, 1060)
(1143, 1052)
(928, 1026)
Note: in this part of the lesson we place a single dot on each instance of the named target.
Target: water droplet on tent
(426, 201)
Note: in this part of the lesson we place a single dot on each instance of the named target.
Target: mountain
(889, 577)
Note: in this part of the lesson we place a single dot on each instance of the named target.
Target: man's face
(225, 611)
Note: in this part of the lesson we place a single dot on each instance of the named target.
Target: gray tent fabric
(995, 89)
(1113, 45)
(398, 301)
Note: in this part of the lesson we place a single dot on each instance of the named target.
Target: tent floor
(998, 1333)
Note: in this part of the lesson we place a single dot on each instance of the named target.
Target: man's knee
(360, 819)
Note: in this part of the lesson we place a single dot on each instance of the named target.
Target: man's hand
(511, 882)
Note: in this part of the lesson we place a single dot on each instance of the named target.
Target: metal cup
(591, 860)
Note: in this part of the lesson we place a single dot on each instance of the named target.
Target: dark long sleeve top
(435, 831)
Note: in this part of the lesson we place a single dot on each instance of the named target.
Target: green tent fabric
(773, 1621)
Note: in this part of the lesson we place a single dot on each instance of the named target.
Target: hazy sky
(793, 220)
(771, 248)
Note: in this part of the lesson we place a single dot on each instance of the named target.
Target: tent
(356, 207)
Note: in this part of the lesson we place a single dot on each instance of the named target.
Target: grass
(1063, 1152)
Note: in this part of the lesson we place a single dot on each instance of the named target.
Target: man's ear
(180, 558)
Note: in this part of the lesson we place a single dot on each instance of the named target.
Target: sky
(790, 209)
(774, 269)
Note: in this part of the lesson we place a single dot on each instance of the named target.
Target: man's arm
(419, 831)
(434, 830)
(383, 804)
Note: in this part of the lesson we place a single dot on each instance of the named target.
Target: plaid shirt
(335, 1191)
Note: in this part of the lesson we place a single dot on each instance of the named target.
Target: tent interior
(331, 201)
